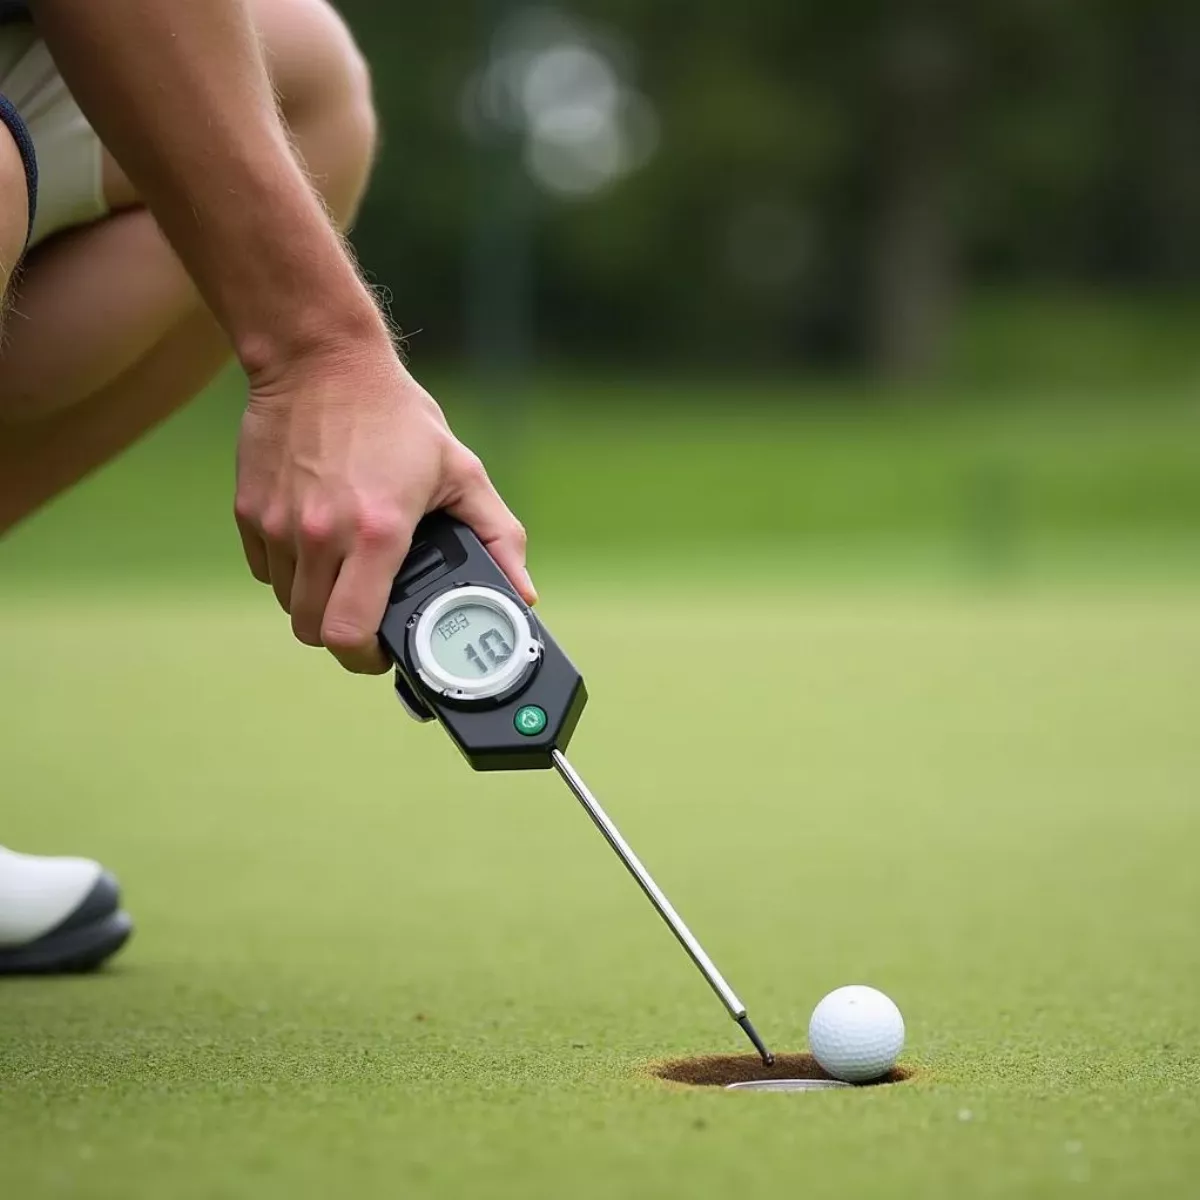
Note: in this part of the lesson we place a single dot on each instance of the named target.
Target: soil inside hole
(720, 1070)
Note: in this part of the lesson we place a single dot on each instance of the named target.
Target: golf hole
(745, 1072)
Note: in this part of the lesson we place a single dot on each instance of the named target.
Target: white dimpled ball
(856, 1034)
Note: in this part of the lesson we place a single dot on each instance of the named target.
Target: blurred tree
(828, 180)
(1165, 88)
(916, 95)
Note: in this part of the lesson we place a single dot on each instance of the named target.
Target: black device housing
(446, 554)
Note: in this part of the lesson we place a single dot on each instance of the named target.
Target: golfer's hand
(337, 462)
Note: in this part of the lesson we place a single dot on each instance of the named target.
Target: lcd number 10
(485, 653)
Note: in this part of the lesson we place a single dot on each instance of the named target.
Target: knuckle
(244, 508)
(317, 528)
(376, 528)
(471, 468)
(275, 525)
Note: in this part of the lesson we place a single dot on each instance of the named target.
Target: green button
(530, 720)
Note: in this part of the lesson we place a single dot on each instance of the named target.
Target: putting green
(362, 969)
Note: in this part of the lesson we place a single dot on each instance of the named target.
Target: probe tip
(752, 1033)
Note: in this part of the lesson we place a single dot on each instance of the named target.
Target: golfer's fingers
(255, 550)
(350, 630)
(479, 506)
(281, 563)
(316, 574)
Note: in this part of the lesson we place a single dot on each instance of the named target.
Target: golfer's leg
(14, 213)
(88, 305)
(14, 228)
(123, 347)
(93, 301)
(41, 459)
(56, 914)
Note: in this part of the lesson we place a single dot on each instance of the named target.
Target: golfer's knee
(324, 87)
(324, 84)
(352, 153)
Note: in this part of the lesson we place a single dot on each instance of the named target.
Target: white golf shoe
(57, 914)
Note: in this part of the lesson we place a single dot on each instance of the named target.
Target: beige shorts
(69, 155)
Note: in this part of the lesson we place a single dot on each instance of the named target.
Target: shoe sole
(70, 951)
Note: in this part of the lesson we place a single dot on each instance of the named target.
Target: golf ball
(856, 1034)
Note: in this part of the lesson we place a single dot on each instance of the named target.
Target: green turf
(363, 970)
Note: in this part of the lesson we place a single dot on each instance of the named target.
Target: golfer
(175, 183)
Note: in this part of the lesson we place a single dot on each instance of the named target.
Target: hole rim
(715, 1072)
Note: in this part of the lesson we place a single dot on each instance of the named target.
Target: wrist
(313, 335)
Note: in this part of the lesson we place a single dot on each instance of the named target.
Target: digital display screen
(473, 640)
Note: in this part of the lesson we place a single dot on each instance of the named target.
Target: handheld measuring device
(469, 653)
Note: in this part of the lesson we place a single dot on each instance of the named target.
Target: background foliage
(832, 183)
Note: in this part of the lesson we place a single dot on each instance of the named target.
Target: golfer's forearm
(180, 95)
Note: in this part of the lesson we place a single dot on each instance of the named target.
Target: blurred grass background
(1035, 457)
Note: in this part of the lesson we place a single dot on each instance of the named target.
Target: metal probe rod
(612, 835)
